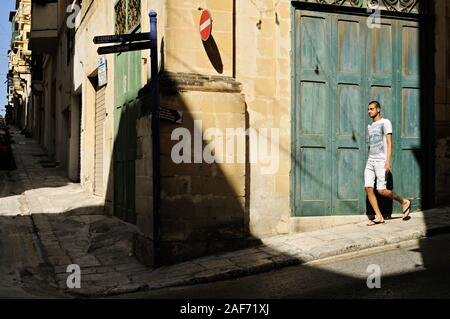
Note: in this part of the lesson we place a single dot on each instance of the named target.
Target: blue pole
(155, 134)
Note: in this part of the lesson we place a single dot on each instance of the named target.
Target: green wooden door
(393, 78)
(127, 82)
(347, 114)
(381, 86)
(312, 117)
(410, 163)
(341, 65)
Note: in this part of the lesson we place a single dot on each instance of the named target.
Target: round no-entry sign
(205, 25)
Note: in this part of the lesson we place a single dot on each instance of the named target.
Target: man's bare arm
(389, 152)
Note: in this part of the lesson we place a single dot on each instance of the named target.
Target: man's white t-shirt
(377, 139)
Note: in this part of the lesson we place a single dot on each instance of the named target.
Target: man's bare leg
(403, 201)
(373, 201)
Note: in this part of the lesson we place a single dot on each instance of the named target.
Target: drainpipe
(234, 39)
(155, 136)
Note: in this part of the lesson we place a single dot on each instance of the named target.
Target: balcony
(44, 26)
(15, 36)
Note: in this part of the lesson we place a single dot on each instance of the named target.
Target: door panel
(314, 118)
(127, 84)
(348, 182)
(382, 84)
(347, 115)
(313, 33)
(314, 182)
(411, 114)
(410, 48)
(384, 95)
(409, 118)
(381, 59)
(313, 148)
(410, 171)
(380, 44)
(349, 47)
(100, 115)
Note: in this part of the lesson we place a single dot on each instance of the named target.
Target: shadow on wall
(204, 208)
(213, 54)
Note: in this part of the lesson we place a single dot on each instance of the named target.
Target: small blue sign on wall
(102, 74)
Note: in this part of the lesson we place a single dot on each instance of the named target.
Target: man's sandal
(407, 217)
(374, 222)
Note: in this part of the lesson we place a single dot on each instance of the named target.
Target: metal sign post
(155, 135)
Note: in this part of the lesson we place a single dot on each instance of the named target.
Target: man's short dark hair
(377, 104)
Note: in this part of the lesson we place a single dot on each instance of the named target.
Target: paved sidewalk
(302, 248)
(73, 229)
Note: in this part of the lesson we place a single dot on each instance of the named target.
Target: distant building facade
(19, 77)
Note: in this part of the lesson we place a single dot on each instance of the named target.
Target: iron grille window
(127, 15)
(121, 16)
(134, 13)
(404, 6)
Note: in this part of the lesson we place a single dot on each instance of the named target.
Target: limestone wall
(203, 205)
(204, 193)
(263, 46)
(442, 101)
(96, 18)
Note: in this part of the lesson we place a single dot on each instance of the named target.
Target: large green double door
(340, 65)
(127, 82)
(127, 78)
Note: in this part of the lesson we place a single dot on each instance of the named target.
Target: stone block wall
(442, 102)
(203, 203)
(263, 66)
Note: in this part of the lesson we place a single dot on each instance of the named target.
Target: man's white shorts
(375, 168)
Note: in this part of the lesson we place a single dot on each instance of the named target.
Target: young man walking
(379, 163)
